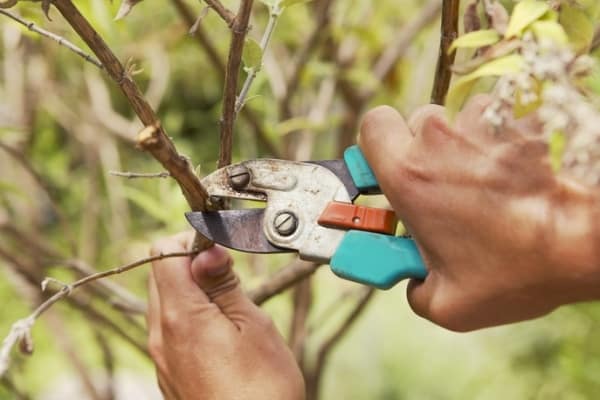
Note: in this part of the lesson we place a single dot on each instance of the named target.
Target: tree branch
(239, 30)
(282, 280)
(314, 379)
(153, 138)
(219, 66)
(21, 330)
(223, 11)
(274, 14)
(401, 43)
(449, 33)
(59, 39)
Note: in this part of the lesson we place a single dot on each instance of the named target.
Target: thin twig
(21, 329)
(282, 280)
(443, 74)
(239, 30)
(225, 13)
(139, 175)
(274, 14)
(59, 39)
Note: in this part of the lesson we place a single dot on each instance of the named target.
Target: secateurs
(309, 210)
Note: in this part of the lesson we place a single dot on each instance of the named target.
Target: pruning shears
(309, 210)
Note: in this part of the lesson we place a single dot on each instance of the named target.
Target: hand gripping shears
(309, 210)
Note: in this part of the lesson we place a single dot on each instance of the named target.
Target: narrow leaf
(475, 40)
(578, 27)
(524, 14)
(461, 89)
(550, 30)
(252, 54)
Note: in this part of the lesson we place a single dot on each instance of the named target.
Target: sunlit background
(70, 127)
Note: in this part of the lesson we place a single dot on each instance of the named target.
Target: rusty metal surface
(237, 229)
(298, 188)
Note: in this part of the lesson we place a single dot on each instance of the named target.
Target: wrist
(574, 250)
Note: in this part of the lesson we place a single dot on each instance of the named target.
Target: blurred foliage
(53, 110)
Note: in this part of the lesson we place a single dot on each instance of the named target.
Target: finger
(471, 120)
(153, 315)
(213, 273)
(384, 136)
(418, 118)
(174, 283)
(420, 295)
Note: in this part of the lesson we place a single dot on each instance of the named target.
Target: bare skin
(503, 238)
(207, 339)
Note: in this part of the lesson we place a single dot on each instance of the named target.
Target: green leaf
(462, 87)
(524, 14)
(578, 27)
(475, 39)
(550, 30)
(252, 54)
(558, 143)
(289, 3)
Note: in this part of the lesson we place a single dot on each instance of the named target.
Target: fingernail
(218, 271)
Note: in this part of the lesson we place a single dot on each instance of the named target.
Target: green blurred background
(72, 126)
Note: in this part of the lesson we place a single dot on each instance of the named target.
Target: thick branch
(239, 30)
(153, 139)
(282, 280)
(449, 33)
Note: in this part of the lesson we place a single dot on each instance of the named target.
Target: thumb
(213, 273)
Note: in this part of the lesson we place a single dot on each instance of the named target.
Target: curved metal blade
(237, 229)
(340, 169)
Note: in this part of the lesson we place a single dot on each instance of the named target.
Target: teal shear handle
(374, 259)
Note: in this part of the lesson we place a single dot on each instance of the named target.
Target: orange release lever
(351, 216)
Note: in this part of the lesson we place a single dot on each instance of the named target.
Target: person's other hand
(503, 238)
(207, 339)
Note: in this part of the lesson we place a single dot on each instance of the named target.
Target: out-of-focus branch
(140, 175)
(239, 29)
(13, 389)
(299, 326)
(225, 13)
(153, 138)
(316, 373)
(21, 330)
(443, 74)
(282, 280)
(42, 184)
(59, 39)
(401, 42)
(322, 15)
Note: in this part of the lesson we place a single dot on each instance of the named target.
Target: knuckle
(170, 321)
